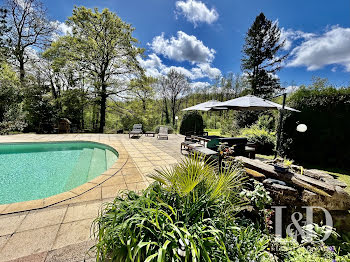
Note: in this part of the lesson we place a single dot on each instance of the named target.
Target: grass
(215, 132)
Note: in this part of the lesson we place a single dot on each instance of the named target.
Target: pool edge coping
(18, 207)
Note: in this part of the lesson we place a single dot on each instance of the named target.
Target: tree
(11, 115)
(174, 86)
(3, 30)
(102, 44)
(261, 60)
(143, 89)
(29, 28)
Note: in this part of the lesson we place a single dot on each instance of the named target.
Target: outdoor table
(201, 139)
(150, 133)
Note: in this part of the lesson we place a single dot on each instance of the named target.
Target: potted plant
(284, 166)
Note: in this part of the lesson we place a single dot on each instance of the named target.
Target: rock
(282, 194)
(273, 181)
(340, 200)
(334, 182)
(317, 174)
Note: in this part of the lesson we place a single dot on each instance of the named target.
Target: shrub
(266, 122)
(246, 243)
(325, 111)
(192, 122)
(258, 197)
(290, 250)
(264, 139)
(185, 219)
(170, 129)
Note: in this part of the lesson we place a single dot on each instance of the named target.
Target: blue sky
(205, 38)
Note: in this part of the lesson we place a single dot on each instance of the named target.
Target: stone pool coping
(75, 195)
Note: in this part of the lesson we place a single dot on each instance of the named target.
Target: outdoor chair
(163, 132)
(136, 130)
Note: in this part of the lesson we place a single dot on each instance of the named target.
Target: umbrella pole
(280, 127)
(214, 120)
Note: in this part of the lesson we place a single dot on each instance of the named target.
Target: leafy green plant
(246, 243)
(288, 249)
(264, 139)
(258, 197)
(183, 216)
(197, 180)
(266, 122)
(287, 162)
(145, 228)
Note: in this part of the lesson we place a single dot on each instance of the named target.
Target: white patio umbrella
(206, 106)
(250, 102)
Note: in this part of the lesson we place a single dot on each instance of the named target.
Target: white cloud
(154, 67)
(64, 28)
(290, 89)
(290, 35)
(209, 71)
(196, 12)
(199, 85)
(61, 29)
(180, 69)
(332, 47)
(183, 48)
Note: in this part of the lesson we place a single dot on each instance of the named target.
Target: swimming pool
(30, 171)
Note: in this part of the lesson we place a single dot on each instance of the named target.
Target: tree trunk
(173, 111)
(167, 119)
(21, 70)
(103, 107)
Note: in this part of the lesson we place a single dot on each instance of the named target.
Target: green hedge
(326, 112)
(192, 122)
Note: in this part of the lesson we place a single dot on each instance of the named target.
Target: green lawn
(215, 132)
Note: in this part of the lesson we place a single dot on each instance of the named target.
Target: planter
(281, 169)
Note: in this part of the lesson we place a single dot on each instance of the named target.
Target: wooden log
(300, 181)
(254, 173)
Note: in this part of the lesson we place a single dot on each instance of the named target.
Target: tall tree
(3, 30)
(103, 45)
(29, 28)
(143, 89)
(174, 86)
(261, 59)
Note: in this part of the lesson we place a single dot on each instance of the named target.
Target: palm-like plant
(182, 217)
(202, 186)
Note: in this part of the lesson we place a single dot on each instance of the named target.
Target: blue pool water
(30, 171)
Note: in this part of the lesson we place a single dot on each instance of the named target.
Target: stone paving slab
(63, 232)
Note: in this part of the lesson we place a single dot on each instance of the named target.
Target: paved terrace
(62, 232)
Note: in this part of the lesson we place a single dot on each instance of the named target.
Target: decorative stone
(340, 200)
(282, 194)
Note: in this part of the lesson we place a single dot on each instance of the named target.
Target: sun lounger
(163, 132)
(136, 130)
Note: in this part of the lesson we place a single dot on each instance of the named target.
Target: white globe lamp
(301, 128)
